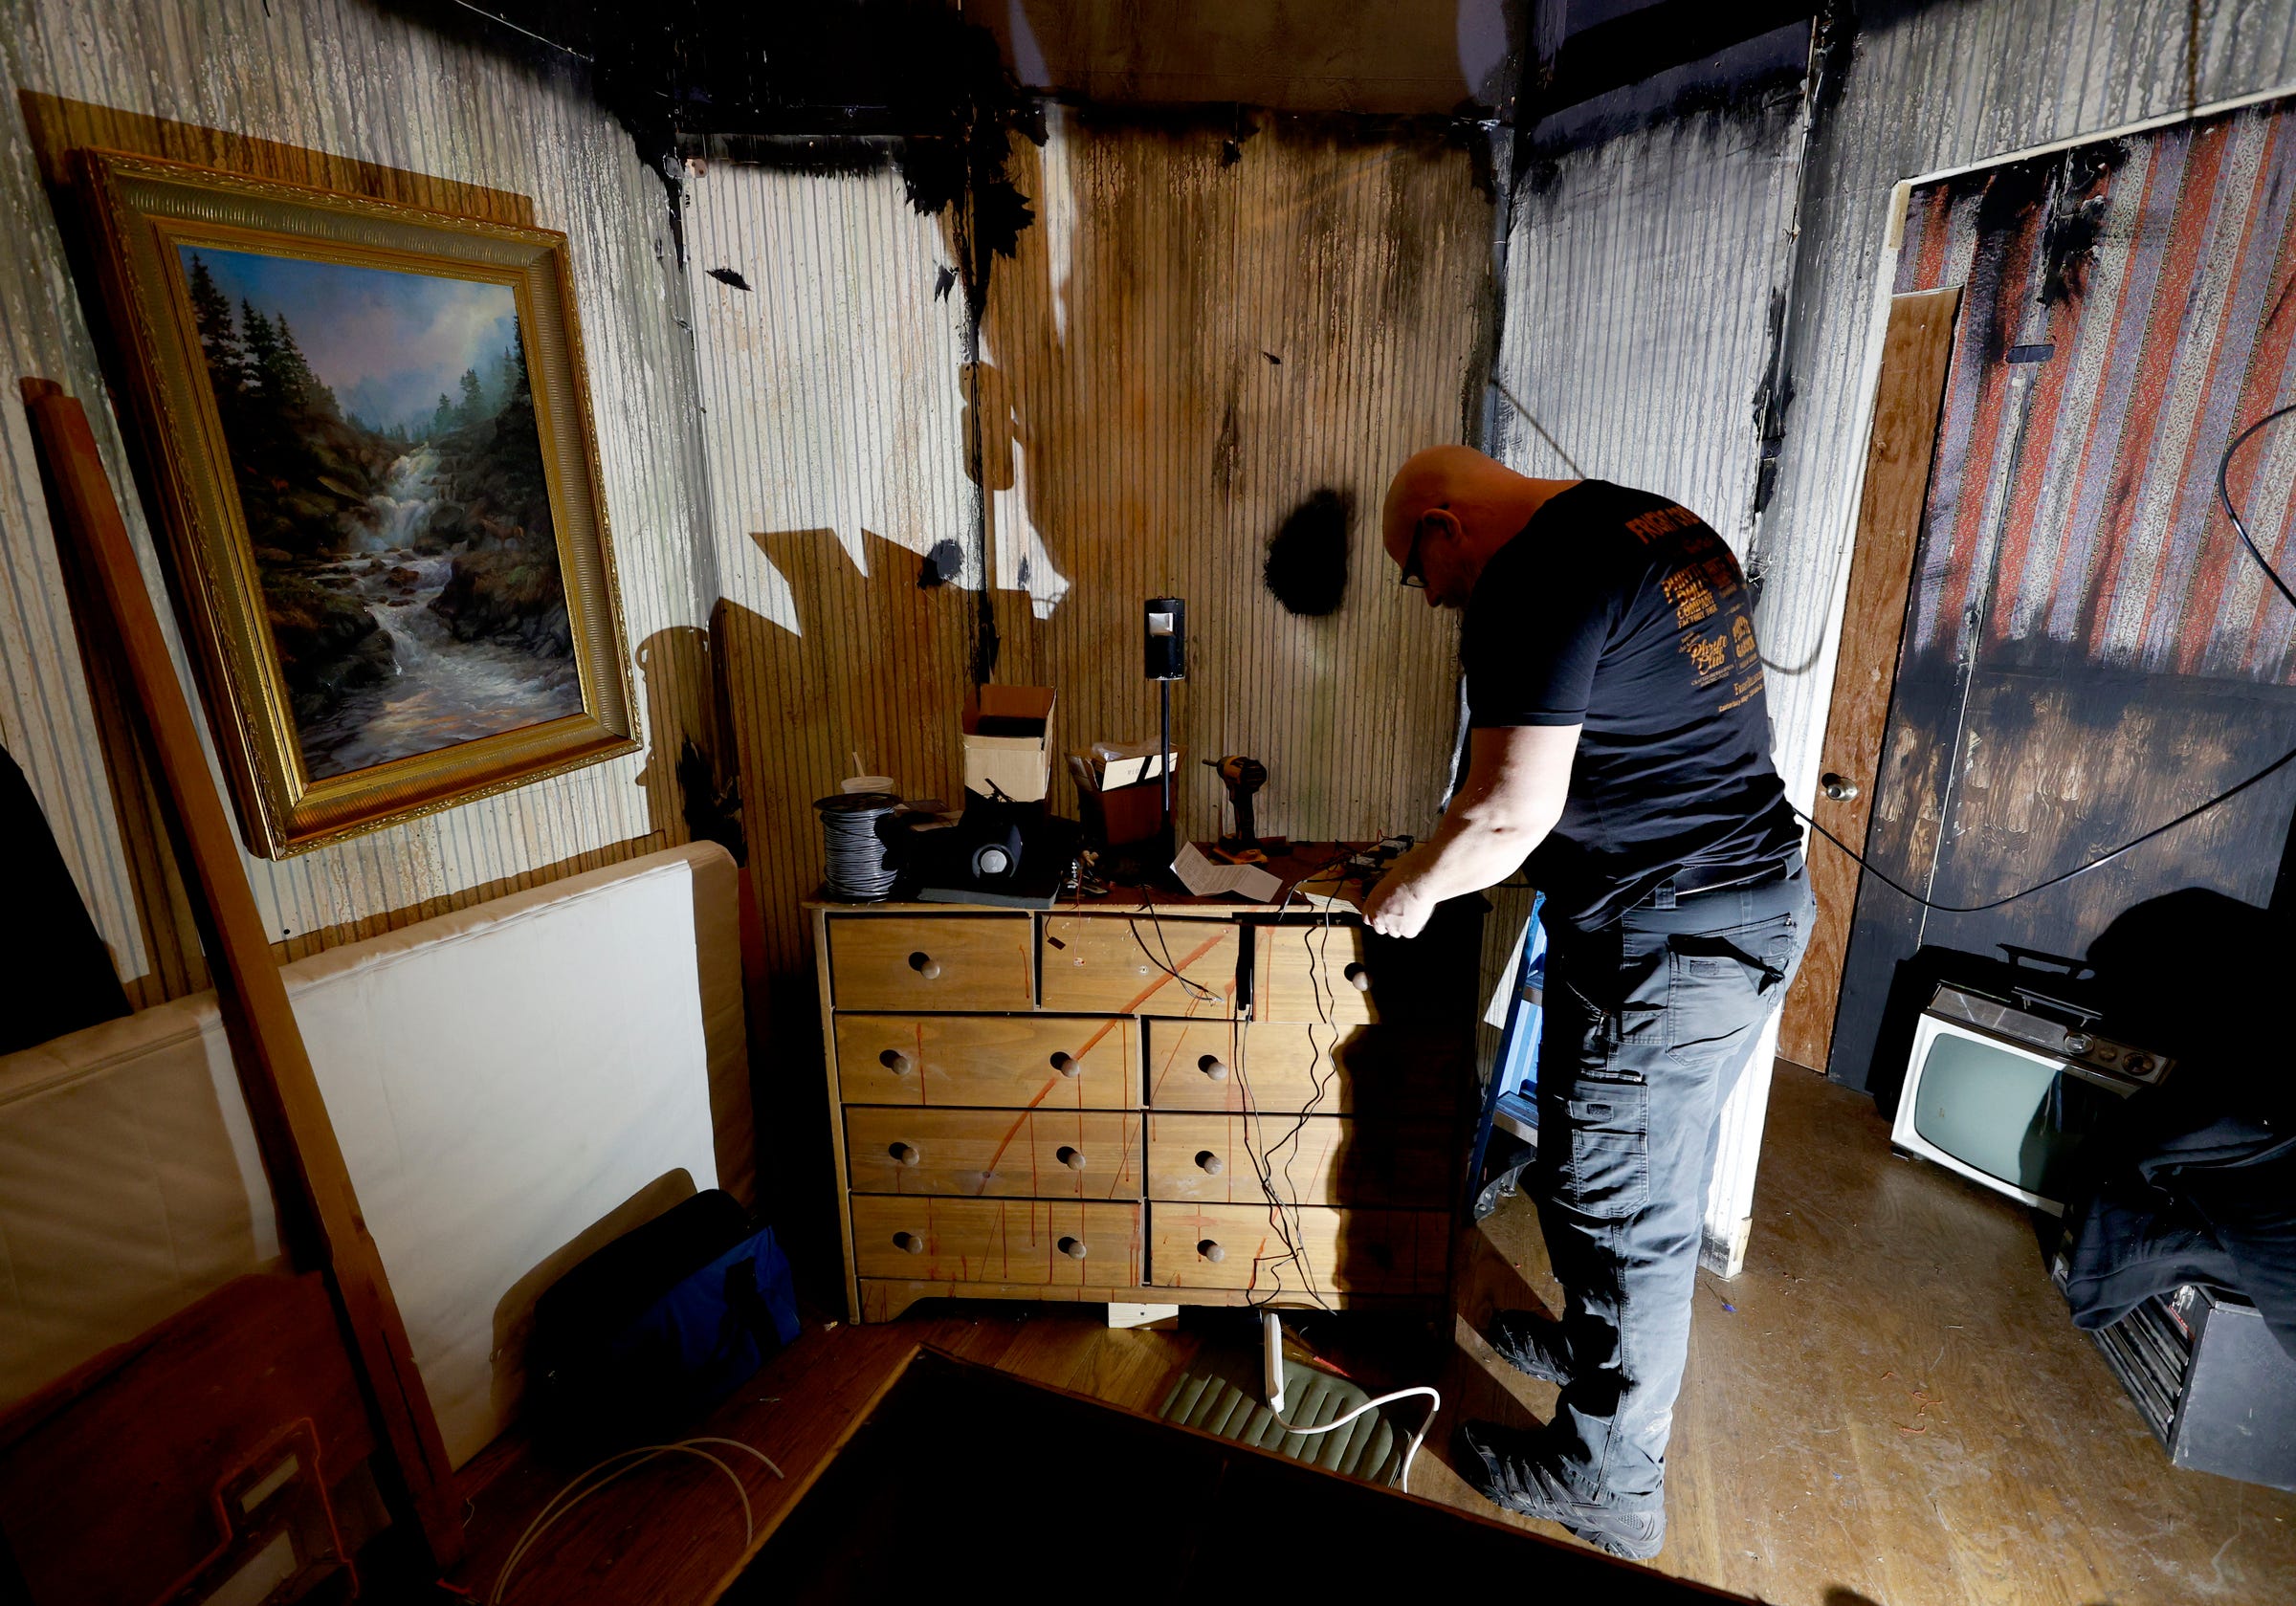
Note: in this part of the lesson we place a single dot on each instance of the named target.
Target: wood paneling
(1191, 340)
(1916, 352)
(1014, 1060)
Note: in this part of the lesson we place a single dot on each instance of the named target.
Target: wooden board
(994, 1153)
(1916, 352)
(1004, 1060)
(1312, 1159)
(946, 962)
(1160, 966)
(1273, 1067)
(107, 1476)
(1366, 1251)
(319, 1217)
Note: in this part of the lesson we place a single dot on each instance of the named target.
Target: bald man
(1618, 739)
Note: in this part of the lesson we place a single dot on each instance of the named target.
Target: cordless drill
(1241, 776)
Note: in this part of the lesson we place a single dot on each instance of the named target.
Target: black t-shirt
(1620, 611)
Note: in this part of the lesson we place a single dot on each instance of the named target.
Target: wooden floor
(1888, 1405)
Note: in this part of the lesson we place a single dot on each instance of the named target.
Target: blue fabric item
(1514, 1084)
(701, 1338)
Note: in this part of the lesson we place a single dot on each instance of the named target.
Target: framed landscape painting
(367, 429)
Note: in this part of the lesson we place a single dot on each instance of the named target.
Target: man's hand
(1399, 906)
(1517, 778)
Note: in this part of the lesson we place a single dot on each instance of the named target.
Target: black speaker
(1166, 633)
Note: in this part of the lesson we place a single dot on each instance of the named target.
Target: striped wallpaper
(2096, 387)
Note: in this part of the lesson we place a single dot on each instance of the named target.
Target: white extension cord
(559, 1505)
(1274, 1328)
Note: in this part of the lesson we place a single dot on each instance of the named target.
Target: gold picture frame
(380, 626)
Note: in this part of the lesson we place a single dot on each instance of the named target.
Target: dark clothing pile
(2194, 1181)
(2207, 1199)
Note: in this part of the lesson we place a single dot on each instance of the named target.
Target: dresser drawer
(1119, 965)
(1044, 1243)
(1346, 1251)
(1010, 1060)
(1237, 1066)
(1318, 1159)
(932, 961)
(1016, 1154)
(1314, 972)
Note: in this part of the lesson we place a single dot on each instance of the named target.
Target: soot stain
(943, 281)
(940, 565)
(729, 275)
(1306, 559)
(2069, 240)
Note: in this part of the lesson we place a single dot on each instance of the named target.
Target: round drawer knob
(1213, 1066)
(1067, 1064)
(925, 965)
(903, 1154)
(1072, 1158)
(909, 1242)
(1211, 1251)
(1073, 1248)
(1209, 1163)
(1359, 978)
(896, 1062)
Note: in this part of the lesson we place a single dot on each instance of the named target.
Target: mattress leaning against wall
(512, 1085)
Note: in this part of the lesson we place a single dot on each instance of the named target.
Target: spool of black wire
(857, 829)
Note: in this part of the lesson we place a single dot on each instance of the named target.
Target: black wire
(1284, 1219)
(2224, 495)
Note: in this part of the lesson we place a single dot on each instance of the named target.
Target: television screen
(2004, 1111)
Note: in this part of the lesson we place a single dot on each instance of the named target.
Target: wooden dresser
(1092, 1103)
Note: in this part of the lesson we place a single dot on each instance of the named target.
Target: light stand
(1165, 635)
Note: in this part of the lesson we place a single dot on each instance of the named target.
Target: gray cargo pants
(1650, 1022)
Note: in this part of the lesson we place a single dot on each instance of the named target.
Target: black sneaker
(1530, 1343)
(1503, 1465)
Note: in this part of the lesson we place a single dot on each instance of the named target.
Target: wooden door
(1916, 350)
(2088, 652)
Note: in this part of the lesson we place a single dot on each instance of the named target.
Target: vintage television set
(2004, 1090)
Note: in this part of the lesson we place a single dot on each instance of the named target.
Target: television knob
(1073, 1248)
(2078, 1043)
(1209, 1163)
(1213, 1066)
(2139, 1065)
(1211, 1251)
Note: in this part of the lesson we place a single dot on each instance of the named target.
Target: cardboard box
(1014, 753)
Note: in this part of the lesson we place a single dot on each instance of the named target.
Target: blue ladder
(1513, 1090)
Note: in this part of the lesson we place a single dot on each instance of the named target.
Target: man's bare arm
(1518, 777)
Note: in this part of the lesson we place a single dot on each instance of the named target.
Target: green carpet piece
(1224, 1399)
